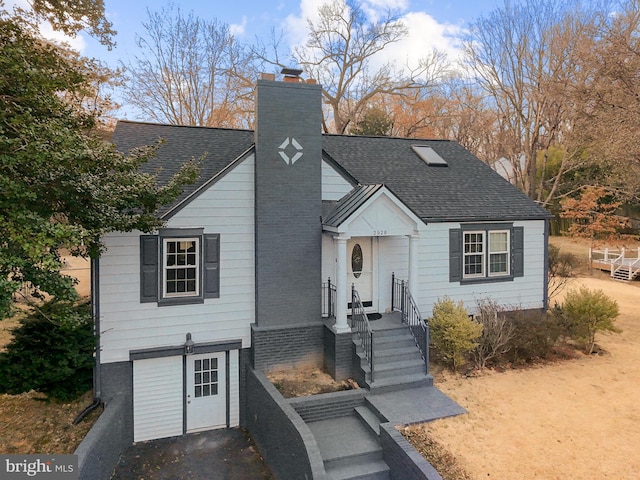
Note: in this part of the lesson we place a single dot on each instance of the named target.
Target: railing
(328, 299)
(402, 301)
(621, 262)
(360, 323)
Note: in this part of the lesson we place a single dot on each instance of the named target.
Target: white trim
(166, 268)
(412, 223)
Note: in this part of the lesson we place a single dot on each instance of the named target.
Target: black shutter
(455, 255)
(149, 268)
(517, 251)
(211, 266)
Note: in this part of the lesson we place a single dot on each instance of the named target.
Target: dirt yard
(574, 419)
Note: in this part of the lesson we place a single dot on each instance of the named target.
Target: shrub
(534, 336)
(51, 352)
(497, 331)
(561, 269)
(587, 312)
(453, 333)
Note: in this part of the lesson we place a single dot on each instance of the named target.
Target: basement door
(360, 269)
(206, 391)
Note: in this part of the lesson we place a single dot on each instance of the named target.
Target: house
(236, 276)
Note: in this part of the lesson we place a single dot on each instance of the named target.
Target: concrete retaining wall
(404, 461)
(99, 452)
(284, 440)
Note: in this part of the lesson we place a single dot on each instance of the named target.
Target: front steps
(397, 362)
(349, 446)
(346, 426)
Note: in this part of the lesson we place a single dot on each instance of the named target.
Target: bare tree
(520, 54)
(191, 72)
(340, 53)
(607, 106)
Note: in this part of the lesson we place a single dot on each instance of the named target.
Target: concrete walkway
(224, 454)
(414, 405)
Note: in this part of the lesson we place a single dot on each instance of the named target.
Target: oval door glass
(356, 260)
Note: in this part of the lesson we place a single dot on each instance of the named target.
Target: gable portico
(354, 256)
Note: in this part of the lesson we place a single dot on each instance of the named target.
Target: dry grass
(303, 381)
(29, 423)
(574, 418)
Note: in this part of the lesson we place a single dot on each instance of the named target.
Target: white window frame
(486, 253)
(466, 254)
(165, 267)
(506, 252)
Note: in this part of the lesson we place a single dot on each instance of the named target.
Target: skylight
(429, 155)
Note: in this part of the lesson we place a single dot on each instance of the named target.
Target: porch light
(188, 345)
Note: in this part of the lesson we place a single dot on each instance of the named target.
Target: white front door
(206, 391)
(360, 269)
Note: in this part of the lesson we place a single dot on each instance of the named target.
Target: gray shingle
(222, 146)
(466, 190)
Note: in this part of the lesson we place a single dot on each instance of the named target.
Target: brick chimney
(288, 201)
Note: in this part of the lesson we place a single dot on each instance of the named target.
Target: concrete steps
(397, 361)
(349, 446)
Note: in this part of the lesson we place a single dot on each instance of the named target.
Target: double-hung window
(179, 266)
(486, 252)
(181, 269)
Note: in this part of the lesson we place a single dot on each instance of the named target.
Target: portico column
(342, 288)
(413, 263)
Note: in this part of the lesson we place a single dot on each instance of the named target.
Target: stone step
(399, 368)
(381, 353)
(393, 341)
(369, 418)
(371, 470)
(400, 382)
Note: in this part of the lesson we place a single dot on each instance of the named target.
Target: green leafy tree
(375, 121)
(587, 312)
(453, 333)
(61, 185)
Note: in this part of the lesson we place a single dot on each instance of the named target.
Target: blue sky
(431, 23)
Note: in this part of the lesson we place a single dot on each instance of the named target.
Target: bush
(587, 312)
(51, 352)
(561, 269)
(497, 331)
(453, 333)
(534, 336)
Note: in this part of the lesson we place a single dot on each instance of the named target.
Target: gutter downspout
(95, 312)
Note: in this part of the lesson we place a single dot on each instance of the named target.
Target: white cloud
(238, 29)
(76, 42)
(424, 32)
(424, 35)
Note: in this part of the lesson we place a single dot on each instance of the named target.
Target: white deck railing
(622, 262)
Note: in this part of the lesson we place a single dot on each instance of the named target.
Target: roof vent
(429, 156)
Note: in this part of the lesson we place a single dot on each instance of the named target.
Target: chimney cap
(294, 72)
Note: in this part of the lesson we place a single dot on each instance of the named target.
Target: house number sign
(378, 233)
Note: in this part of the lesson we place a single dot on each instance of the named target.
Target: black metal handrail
(402, 301)
(360, 323)
(328, 299)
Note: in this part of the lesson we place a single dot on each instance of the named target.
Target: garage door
(157, 398)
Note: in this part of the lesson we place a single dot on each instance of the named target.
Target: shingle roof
(465, 190)
(350, 203)
(181, 143)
